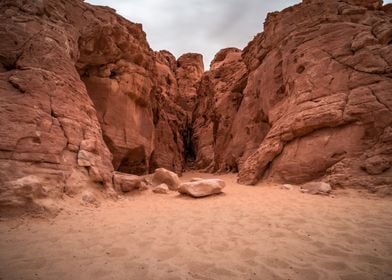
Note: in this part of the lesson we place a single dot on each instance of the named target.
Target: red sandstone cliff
(82, 94)
(317, 102)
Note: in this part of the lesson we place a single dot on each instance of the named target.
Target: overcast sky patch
(202, 26)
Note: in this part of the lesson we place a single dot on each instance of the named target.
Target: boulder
(202, 188)
(164, 176)
(316, 188)
(162, 189)
(126, 182)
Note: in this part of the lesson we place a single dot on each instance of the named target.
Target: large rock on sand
(316, 188)
(162, 189)
(126, 182)
(202, 188)
(164, 176)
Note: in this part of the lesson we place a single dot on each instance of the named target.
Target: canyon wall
(317, 100)
(82, 95)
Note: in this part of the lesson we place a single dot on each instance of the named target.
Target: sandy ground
(261, 232)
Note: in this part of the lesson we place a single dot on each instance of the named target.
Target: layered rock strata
(82, 94)
(317, 100)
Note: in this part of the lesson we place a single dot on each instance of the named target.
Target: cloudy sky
(203, 26)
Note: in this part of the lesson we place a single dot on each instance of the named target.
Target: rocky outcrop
(170, 120)
(48, 124)
(190, 69)
(326, 99)
(82, 95)
(217, 140)
(315, 103)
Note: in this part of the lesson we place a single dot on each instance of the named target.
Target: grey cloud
(203, 26)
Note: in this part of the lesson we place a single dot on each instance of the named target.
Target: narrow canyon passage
(100, 137)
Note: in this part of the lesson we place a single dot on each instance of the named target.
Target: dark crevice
(9, 66)
(189, 150)
(113, 74)
(300, 69)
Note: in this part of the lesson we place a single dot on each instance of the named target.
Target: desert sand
(261, 232)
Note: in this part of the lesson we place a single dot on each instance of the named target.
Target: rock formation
(83, 95)
(218, 141)
(48, 123)
(317, 101)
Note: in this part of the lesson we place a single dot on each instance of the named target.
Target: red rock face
(117, 67)
(49, 127)
(82, 94)
(190, 69)
(219, 141)
(321, 72)
(169, 118)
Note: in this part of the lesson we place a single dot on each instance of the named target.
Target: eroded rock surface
(322, 73)
(82, 94)
(219, 142)
(46, 115)
(315, 102)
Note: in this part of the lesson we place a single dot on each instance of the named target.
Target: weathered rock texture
(82, 94)
(172, 108)
(218, 141)
(317, 100)
(48, 124)
(328, 97)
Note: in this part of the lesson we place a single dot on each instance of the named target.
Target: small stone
(163, 175)
(162, 189)
(316, 188)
